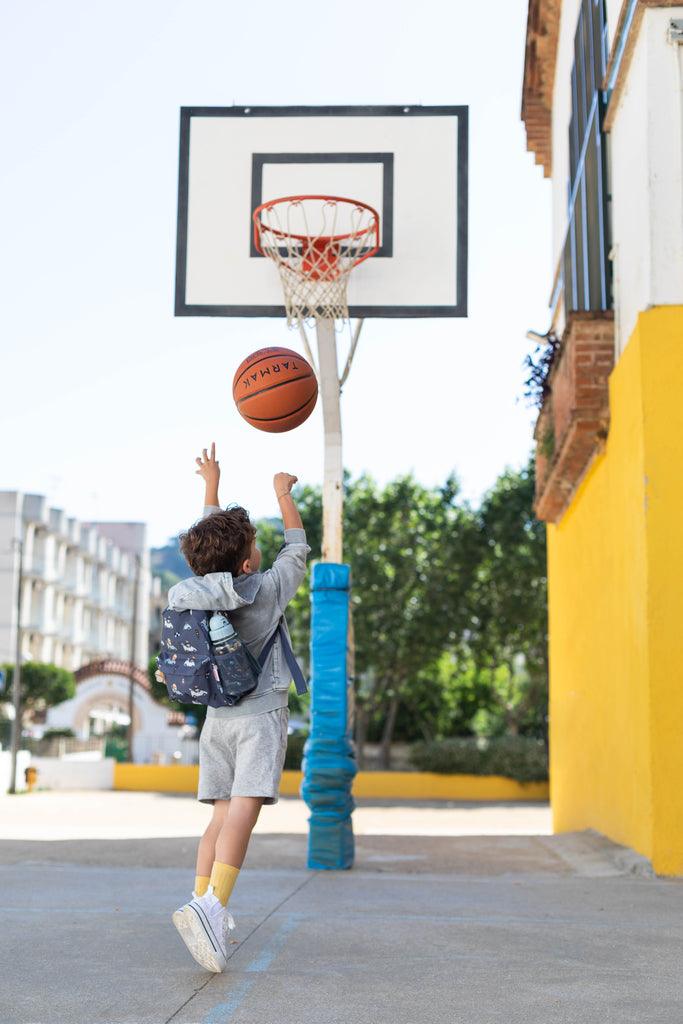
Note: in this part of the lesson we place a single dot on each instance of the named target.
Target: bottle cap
(220, 628)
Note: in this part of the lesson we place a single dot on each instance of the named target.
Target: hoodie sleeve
(215, 590)
(289, 568)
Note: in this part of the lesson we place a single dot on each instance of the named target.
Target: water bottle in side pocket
(235, 669)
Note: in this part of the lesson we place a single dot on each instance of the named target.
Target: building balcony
(35, 568)
(574, 420)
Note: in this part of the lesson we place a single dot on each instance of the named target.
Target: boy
(241, 748)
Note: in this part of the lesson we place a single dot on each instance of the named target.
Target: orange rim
(373, 228)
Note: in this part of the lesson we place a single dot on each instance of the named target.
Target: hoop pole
(333, 492)
(329, 762)
(352, 352)
(307, 347)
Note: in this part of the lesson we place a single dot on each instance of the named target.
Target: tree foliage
(42, 685)
(509, 603)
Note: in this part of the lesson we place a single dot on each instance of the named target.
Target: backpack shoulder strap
(292, 663)
(268, 646)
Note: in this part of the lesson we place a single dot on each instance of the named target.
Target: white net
(315, 242)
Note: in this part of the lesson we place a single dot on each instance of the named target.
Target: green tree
(42, 685)
(509, 605)
(413, 552)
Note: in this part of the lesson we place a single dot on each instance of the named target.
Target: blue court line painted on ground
(222, 1012)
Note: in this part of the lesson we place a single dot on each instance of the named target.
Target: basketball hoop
(315, 242)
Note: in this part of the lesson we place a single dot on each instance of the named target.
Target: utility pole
(133, 647)
(16, 675)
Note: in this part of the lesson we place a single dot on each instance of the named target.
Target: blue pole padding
(329, 762)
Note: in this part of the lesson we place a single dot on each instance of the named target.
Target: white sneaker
(204, 925)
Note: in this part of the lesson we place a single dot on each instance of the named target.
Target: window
(584, 272)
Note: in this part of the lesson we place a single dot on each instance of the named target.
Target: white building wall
(562, 109)
(647, 176)
(77, 595)
(65, 773)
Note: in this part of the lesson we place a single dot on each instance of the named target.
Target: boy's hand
(208, 467)
(210, 470)
(283, 483)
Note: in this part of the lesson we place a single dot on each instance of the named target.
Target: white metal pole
(16, 675)
(133, 651)
(333, 479)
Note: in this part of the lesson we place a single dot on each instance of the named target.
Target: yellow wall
(615, 571)
(398, 785)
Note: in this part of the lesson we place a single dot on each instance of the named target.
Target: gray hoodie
(256, 602)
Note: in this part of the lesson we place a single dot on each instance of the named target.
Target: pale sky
(106, 397)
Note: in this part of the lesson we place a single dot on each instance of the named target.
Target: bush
(58, 733)
(517, 757)
(116, 747)
(295, 751)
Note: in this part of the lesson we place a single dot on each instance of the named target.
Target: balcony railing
(583, 275)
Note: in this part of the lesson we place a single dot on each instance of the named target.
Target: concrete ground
(453, 913)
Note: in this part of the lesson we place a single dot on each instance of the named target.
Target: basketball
(275, 389)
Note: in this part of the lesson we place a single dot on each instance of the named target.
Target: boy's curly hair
(219, 543)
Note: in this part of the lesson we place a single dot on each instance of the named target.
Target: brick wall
(574, 421)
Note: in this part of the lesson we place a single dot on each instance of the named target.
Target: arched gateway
(101, 699)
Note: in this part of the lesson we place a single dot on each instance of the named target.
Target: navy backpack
(188, 665)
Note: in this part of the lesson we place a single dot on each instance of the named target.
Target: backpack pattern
(185, 658)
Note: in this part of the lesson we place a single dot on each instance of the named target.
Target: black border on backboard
(186, 115)
(385, 160)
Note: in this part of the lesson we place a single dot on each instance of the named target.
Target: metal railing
(583, 275)
(58, 746)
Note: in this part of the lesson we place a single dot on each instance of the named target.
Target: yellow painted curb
(433, 786)
(181, 778)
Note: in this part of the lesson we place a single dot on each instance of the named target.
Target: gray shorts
(242, 756)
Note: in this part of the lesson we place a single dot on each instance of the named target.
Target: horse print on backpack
(184, 661)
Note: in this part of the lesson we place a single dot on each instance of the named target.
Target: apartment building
(78, 588)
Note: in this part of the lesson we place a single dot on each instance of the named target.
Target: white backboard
(410, 163)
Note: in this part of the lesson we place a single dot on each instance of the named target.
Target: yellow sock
(223, 878)
(201, 884)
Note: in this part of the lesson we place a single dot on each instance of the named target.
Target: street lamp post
(16, 675)
(133, 646)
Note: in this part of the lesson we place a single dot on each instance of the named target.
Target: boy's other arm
(289, 568)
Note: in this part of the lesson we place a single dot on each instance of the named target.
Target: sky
(106, 397)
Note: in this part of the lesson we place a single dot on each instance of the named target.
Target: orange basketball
(275, 389)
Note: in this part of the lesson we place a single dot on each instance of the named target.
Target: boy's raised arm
(210, 470)
(289, 568)
(283, 483)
